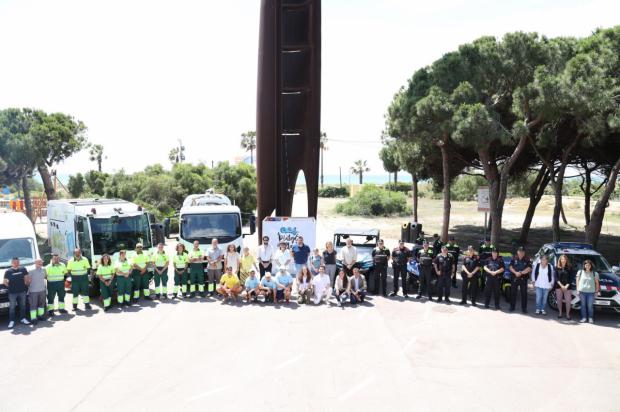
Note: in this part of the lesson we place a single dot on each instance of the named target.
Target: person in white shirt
(232, 258)
(283, 257)
(543, 279)
(305, 289)
(265, 257)
(321, 285)
(348, 256)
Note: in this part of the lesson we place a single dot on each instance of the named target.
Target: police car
(577, 253)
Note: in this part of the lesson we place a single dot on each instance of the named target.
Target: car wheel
(552, 300)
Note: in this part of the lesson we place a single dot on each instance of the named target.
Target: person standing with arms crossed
(520, 268)
(265, 257)
(160, 261)
(425, 258)
(180, 262)
(443, 268)
(36, 292)
(55, 272)
(215, 257)
(16, 280)
(78, 267)
(470, 271)
(494, 267)
(196, 271)
(381, 258)
(400, 257)
(140, 276)
(105, 273)
(123, 269)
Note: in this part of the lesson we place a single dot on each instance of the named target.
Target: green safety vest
(160, 259)
(78, 267)
(196, 254)
(180, 261)
(56, 273)
(105, 272)
(124, 267)
(141, 260)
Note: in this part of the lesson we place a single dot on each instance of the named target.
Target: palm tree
(358, 168)
(248, 143)
(96, 154)
(323, 145)
(173, 155)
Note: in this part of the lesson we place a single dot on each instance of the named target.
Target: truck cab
(209, 216)
(17, 239)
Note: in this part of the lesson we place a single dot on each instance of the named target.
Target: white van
(17, 239)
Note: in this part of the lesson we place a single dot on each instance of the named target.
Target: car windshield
(23, 248)
(358, 240)
(226, 227)
(120, 232)
(600, 263)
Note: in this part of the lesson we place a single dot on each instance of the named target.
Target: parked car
(364, 240)
(577, 253)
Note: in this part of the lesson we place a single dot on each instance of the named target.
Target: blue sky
(142, 74)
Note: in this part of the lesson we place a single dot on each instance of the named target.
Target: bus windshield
(22, 248)
(112, 234)
(226, 227)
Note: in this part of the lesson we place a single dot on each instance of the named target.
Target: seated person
(304, 286)
(321, 285)
(284, 285)
(341, 287)
(357, 287)
(229, 286)
(267, 287)
(251, 286)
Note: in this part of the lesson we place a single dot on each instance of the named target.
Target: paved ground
(202, 354)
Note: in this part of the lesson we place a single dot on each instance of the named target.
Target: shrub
(334, 191)
(465, 188)
(398, 187)
(374, 201)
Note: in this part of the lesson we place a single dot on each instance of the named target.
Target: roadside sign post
(484, 204)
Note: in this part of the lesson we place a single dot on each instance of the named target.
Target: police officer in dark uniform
(380, 257)
(443, 268)
(455, 251)
(425, 262)
(520, 269)
(420, 240)
(493, 268)
(400, 257)
(484, 253)
(470, 272)
(437, 244)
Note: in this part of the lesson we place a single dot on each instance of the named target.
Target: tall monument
(288, 121)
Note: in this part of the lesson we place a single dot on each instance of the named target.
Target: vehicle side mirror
(177, 239)
(252, 224)
(615, 269)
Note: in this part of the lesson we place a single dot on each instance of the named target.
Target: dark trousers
(354, 300)
(14, 300)
(400, 271)
(520, 283)
(469, 286)
(491, 287)
(380, 278)
(424, 286)
(347, 271)
(454, 273)
(443, 285)
(262, 269)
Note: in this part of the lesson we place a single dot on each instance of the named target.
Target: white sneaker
(11, 324)
(538, 311)
(591, 320)
(25, 321)
(583, 320)
(542, 312)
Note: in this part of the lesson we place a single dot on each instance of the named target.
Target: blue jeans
(541, 298)
(13, 298)
(587, 305)
(298, 267)
(354, 300)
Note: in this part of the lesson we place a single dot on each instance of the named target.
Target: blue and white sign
(288, 229)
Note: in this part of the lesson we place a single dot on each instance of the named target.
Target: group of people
(315, 275)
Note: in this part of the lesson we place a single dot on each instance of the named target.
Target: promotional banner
(288, 229)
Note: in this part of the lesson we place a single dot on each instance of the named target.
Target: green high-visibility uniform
(123, 284)
(55, 285)
(106, 273)
(140, 281)
(160, 261)
(180, 272)
(79, 279)
(196, 271)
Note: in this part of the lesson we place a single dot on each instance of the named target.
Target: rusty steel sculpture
(288, 121)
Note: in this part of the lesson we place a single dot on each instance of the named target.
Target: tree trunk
(322, 154)
(361, 177)
(593, 230)
(252, 161)
(445, 162)
(558, 184)
(48, 184)
(536, 193)
(27, 200)
(395, 181)
(492, 175)
(587, 194)
(414, 193)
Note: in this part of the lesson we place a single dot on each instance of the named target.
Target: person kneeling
(229, 285)
(321, 285)
(267, 287)
(341, 287)
(284, 285)
(251, 287)
(357, 287)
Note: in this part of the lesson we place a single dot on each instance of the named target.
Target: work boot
(88, 307)
(75, 306)
(63, 311)
(50, 313)
(158, 296)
